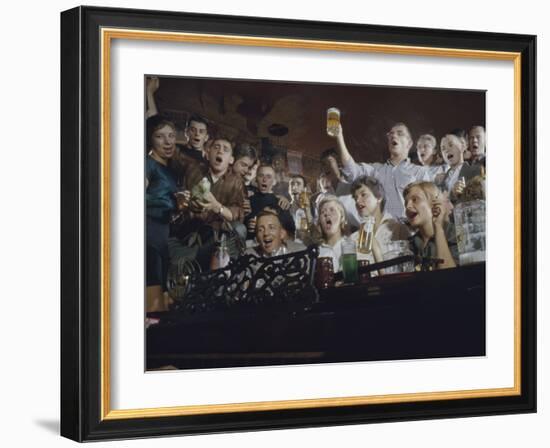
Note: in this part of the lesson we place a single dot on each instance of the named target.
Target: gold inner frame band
(107, 35)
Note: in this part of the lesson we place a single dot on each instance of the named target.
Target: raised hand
(459, 186)
(153, 84)
(252, 225)
(335, 132)
(438, 211)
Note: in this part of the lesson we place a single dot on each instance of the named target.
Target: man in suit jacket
(453, 146)
(477, 145)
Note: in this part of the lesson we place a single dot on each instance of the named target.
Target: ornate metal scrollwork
(252, 280)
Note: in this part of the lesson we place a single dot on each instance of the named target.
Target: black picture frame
(85, 413)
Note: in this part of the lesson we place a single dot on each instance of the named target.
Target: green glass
(349, 268)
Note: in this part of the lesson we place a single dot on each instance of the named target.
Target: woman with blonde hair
(427, 210)
(332, 227)
(429, 156)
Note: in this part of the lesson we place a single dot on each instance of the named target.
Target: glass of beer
(349, 261)
(304, 199)
(366, 234)
(333, 121)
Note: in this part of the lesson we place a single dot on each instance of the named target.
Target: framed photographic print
(273, 224)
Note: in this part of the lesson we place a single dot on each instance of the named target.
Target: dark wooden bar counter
(402, 316)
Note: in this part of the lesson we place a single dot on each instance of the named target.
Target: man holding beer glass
(395, 174)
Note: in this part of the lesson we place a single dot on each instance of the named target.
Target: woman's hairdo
(374, 185)
(339, 205)
(427, 137)
(155, 123)
(245, 150)
(430, 189)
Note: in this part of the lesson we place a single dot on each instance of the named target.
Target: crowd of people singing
(213, 199)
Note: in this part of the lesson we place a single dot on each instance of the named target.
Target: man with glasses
(394, 175)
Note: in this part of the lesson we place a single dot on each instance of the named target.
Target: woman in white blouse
(369, 197)
(332, 224)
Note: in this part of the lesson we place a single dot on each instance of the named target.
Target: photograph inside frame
(299, 223)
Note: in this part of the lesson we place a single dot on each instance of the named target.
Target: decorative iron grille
(252, 280)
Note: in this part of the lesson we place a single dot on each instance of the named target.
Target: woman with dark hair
(368, 193)
(160, 189)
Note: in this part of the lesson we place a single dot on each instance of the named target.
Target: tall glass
(303, 200)
(470, 231)
(349, 261)
(333, 121)
(398, 249)
(366, 234)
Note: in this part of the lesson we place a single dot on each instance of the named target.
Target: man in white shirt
(271, 237)
(395, 174)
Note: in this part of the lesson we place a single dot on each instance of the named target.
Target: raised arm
(342, 149)
(350, 168)
(152, 85)
(441, 244)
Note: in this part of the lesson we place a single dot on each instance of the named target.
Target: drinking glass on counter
(349, 261)
(398, 249)
(470, 231)
(366, 235)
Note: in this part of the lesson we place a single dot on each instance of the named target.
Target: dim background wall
(254, 111)
(29, 328)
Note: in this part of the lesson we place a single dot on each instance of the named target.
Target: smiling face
(476, 139)
(242, 166)
(331, 219)
(425, 150)
(163, 142)
(269, 233)
(365, 201)
(418, 207)
(399, 141)
(265, 178)
(220, 156)
(452, 148)
(197, 133)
